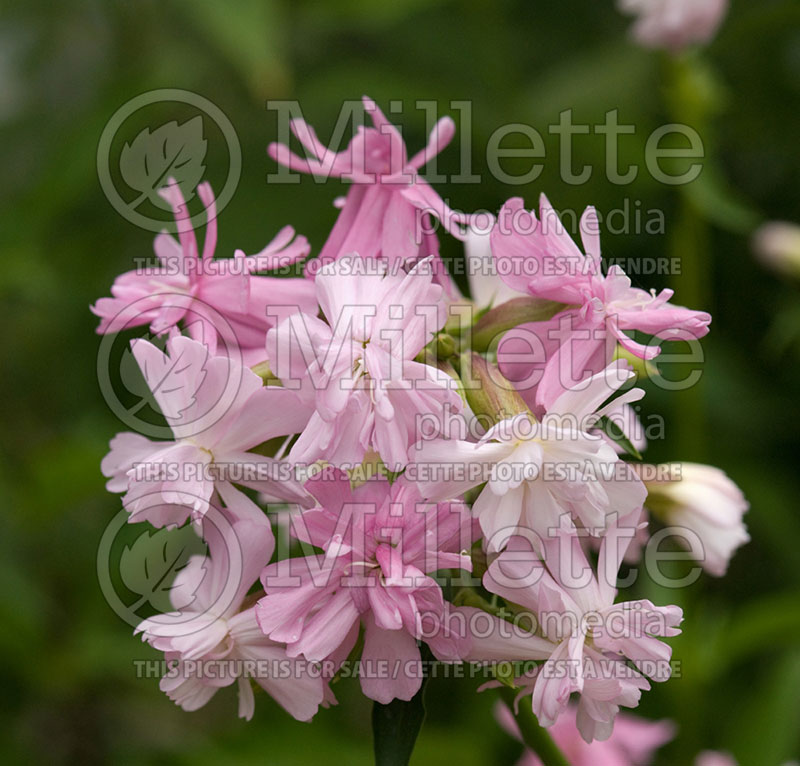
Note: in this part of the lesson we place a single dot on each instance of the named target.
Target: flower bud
(441, 348)
(489, 394)
(703, 500)
(499, 320)
(777, 244)
(445, 346)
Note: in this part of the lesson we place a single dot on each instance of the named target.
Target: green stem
(692, 100)
(689, 242)
(534, 736)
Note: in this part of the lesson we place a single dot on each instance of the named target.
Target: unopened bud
(488, 393)
(494, 323)
(777, 244)
(443, 346)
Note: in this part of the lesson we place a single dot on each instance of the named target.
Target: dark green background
(70, 694)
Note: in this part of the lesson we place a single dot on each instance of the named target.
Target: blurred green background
(70, 694)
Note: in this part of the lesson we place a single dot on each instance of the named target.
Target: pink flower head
(537, 470)
(540, 258)
(674, 24)
(217, 411)
(632, 743)
(356, 369)
(212, 638)
(379, 544)
(387, 211)
(594, 638)
(218, 300)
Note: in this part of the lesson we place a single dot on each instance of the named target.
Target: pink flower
(594, 637)
(387, 211)
(378, 546)
(705, 502)
(632, 743)
(535, 471)
(356, 371)
(217, 411)
(212, 639)
(218, 300)
(540, 258)
(674, 24)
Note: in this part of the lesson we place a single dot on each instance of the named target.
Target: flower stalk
(534, 736)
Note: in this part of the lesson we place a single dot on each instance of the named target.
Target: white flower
(706, 502)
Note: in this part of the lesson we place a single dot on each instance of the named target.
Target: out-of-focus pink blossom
(714, 758)
(632, 743)
(674, 24)
(539, 257)
(777, 244)
(222, 302)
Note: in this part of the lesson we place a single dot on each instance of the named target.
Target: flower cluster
(449, 478)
